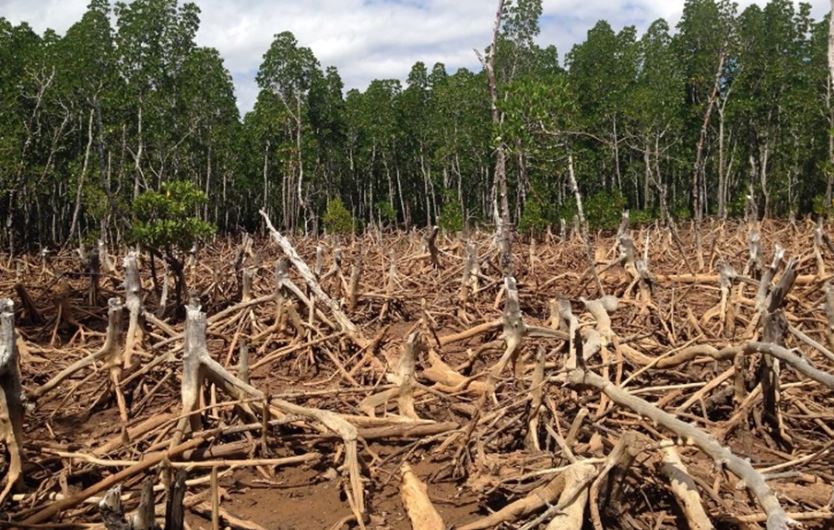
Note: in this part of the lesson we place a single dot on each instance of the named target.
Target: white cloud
(369, 39)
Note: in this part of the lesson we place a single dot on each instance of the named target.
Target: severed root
(534, 501)
(403, 378)
(613, 474)
(777, 519)
(447, 379)
(684, 490)
(111, 348)
(417, 504)
(11, 408)
(600, 310)
(573, 498)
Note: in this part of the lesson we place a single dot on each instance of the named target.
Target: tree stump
(11, 406)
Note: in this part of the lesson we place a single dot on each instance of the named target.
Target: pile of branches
(659, 377)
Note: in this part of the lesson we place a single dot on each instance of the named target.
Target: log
(684, 490)
(345, 323)
(418, 506)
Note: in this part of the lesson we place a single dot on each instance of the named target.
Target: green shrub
(451, 218)
(534, 218)
(821, 206)
(165, 224)
(387, 214)
(604, 210)
(164, 221)
(737, 207)
(641, 217)
(337, 219)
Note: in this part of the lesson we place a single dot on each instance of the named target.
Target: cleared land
(405, 383)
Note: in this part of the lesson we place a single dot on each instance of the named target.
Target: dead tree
(583, 226)
(469, 279)
(112, 512)
(499, 184)
(11, 405)
(430, 242)
(133, 303)
(197, 368)
(353, 286)
(774, 329)
(94, 274)
(347, 326)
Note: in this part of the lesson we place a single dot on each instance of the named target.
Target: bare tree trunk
(500, 175)
(830, 184)
(699, 150)
(80, 187)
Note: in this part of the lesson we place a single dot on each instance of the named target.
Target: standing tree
(166, 223)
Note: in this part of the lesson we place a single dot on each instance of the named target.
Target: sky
(371, 39)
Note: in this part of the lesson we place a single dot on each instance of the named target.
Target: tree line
(683, 121)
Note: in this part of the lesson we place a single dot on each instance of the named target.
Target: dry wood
(418, 506)
(685, 491)
(11, 407)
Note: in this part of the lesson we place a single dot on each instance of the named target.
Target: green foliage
(386, 212)
(820, 206)
(337, 218)
(604, 209)
(535, 217)
(737, 206)
(164, 220)
(640, 217)
(451, 218)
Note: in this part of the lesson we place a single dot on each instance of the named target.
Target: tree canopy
(689, 119)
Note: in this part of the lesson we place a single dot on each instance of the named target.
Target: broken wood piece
(574, 497)
(418, 505)
(685, 490)
(345, 323)
(11, 406)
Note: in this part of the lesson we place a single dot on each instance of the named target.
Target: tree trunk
(699, 150)
(830, 184)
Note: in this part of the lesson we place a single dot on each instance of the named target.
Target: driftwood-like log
(574, 497)
(418, 506)
(345, 323)
(11, 406)
(684, 490)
